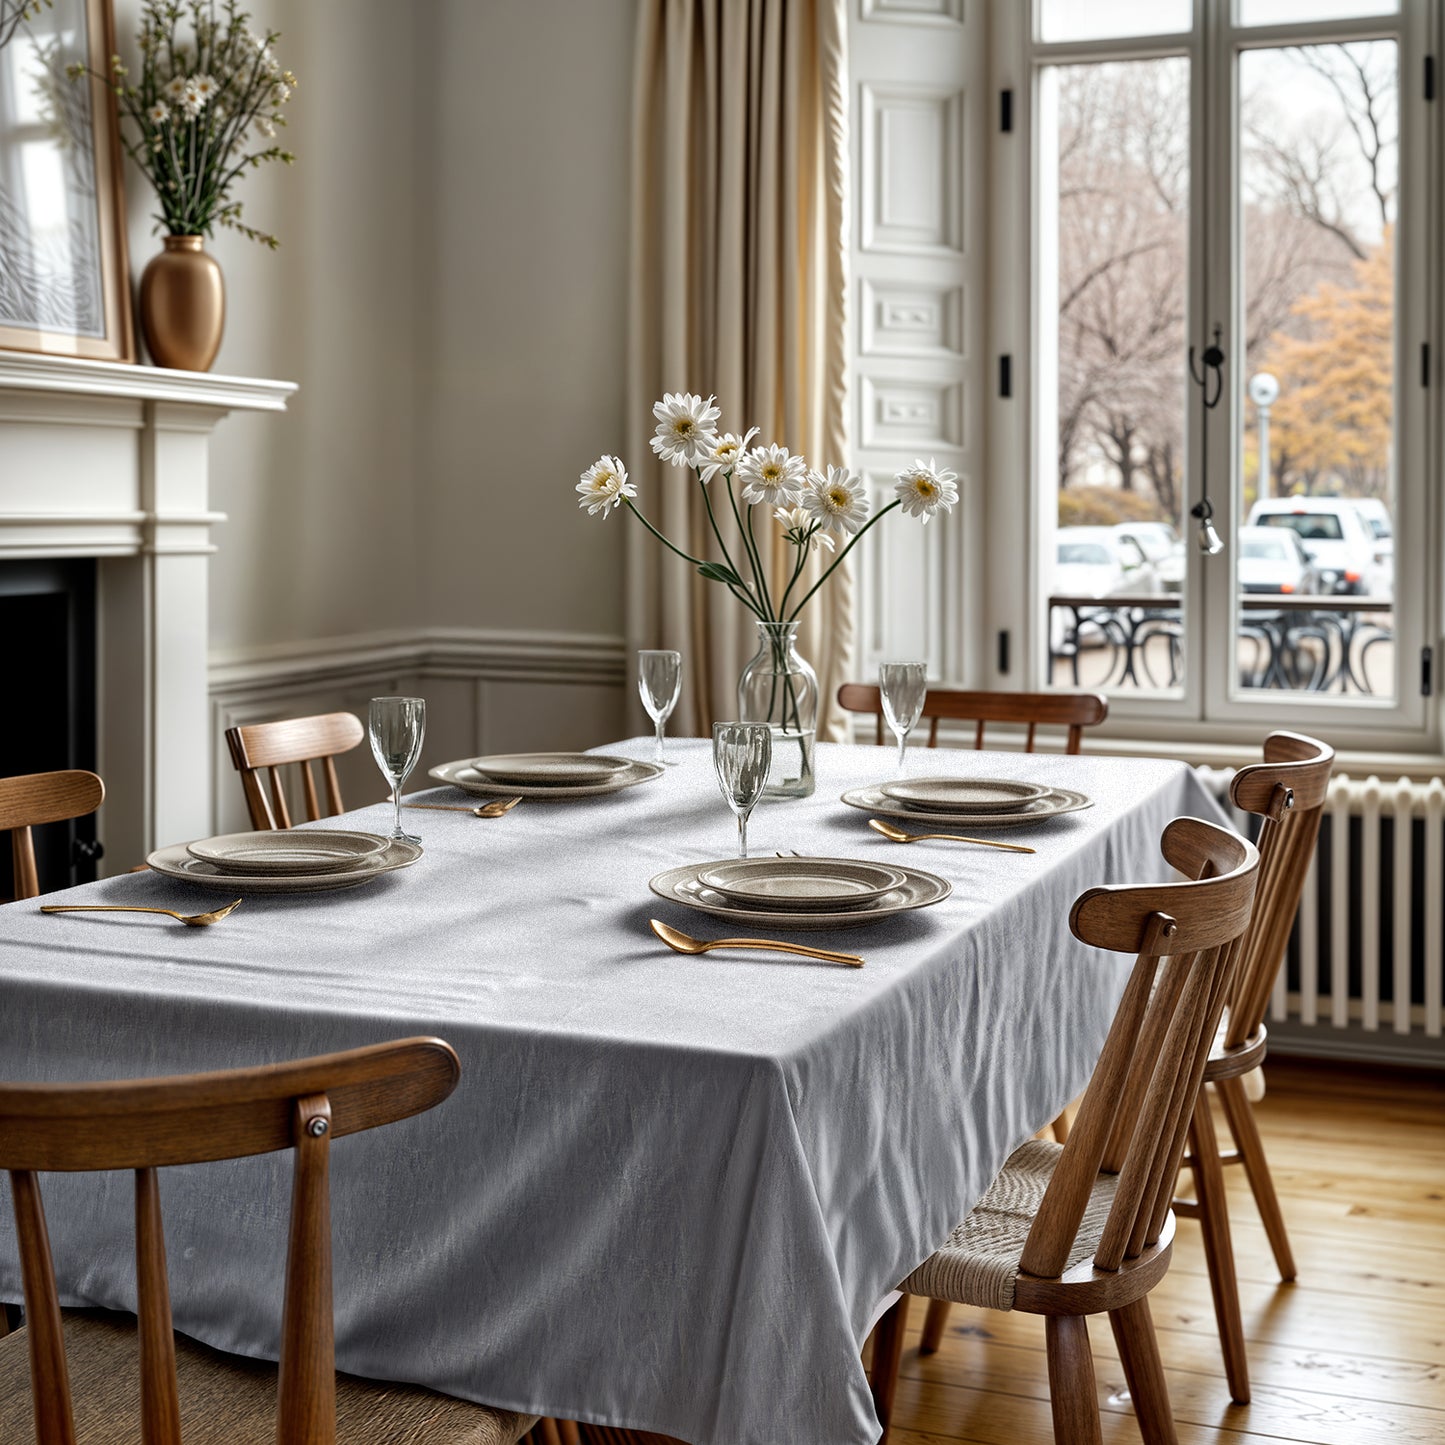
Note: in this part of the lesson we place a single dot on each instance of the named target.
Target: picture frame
(64, 278)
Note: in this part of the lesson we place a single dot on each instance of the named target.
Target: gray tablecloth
(669, 1192)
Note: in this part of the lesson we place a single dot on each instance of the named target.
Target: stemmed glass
(659, 680)
(742, 753)
(902, 687)
(396, 728)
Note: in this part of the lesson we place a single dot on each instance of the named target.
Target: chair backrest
(270, 746)
(1072, 710)
(195, 1118)
(34, 798)
(1288, 791)
(1135, 1113)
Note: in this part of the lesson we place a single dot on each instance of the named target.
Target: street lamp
(1263, 392)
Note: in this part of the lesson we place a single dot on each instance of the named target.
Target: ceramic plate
(549, 769)
(963, 795)
(1053, 804)
(463, 775)
(177, 862)
(821, 884)
(681, 885)
(289, 850)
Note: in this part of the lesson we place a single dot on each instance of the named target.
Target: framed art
(64, 286)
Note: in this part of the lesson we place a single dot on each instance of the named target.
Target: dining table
(670, 1193)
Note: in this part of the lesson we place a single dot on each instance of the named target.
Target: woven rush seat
(228, 1399)
(979, 1264)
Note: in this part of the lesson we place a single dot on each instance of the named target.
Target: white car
(1339, 541)
(1160, 543)
(1273, 559)
(1096, 562)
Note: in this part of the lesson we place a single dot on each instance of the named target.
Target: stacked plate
(974, 802)
(545, 775)
(801, 893)
(288, 860)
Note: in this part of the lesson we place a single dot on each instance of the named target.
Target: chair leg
(1240, 1113)
(1072, 1392)
(1060, 1127)
(887, 1353)
(933, 1324)
(1139, 1353)
(1218, 1249)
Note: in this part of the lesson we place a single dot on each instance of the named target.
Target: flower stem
(723, 546)
(751, 549)
(862, 531)
(758, 564)
(742, 597)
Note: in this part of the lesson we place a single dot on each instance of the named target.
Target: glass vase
(779, 688)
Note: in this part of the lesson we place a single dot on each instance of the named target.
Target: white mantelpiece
(110, 461)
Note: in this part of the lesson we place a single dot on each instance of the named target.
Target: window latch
(1427, 672)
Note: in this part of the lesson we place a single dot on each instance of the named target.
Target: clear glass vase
(778, 687)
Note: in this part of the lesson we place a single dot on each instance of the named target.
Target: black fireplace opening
(48, 712)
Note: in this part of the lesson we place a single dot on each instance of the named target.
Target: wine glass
(902, 686)
(742, 753)
(659, 680)
(396, 728)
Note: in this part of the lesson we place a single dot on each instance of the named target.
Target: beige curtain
(738, 288)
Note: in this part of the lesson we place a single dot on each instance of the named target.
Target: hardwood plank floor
(1352, 1353)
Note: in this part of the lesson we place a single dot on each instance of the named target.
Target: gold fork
(897, 835)
(195, 920)
(681, 942)
(499, 809)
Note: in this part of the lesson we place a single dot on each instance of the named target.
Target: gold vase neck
(185, 243)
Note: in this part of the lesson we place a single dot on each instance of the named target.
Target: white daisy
(684, 428)
(723, 454)
(159, 113)
(191, 100)
(926, 489)
(205, 86)
(772, 475)
(603, 486)
(837, 501)
(265, 128)
(176, 88)
(797, 523)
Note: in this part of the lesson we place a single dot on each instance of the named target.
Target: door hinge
(1429, 77)
(1006, 111)
(1427, 672)
(1005, 375)
(1425, 363)
(1003, 649)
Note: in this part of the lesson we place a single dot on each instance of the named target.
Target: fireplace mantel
(111, 461)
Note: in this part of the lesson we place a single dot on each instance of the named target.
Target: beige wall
(450, 298)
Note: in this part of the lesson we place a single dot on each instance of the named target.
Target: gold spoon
(499, 809)
(195, 920)
(682, 943)
(897, 835)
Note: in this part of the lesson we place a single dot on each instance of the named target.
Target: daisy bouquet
(823, 511)
(203, 110)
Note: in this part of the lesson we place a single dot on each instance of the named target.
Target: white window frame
(1016, 527)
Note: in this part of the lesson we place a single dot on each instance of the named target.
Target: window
(1226, 203)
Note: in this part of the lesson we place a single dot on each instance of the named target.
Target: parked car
(1096, 562)
(1339, 541)
(1160, 543)
(1273, 559)
(1378, 520)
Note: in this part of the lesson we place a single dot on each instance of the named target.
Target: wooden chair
(145, 1123)
(302, 740)
(35, 798)
(1288, 791)
(1073, 710)
(1070, 1230)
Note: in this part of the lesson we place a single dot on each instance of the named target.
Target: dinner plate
(822, 884)
(289, 850)
(546, 770)
(176, 861)
(964, 795)
(463, 775)
(1055, 803)
(918, 890)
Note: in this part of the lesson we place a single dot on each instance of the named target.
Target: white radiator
(1366, 961)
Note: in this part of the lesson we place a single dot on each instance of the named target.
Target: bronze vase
(183, 305)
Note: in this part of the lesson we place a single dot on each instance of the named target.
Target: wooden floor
(1351, 1354)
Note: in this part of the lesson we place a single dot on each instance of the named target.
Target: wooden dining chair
(271, 746)
(1070, 1230)
(35, 798)
(218, 1399)
(1287, 790)
(1072, 710)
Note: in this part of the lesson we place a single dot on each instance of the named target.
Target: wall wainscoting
(487, 690)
